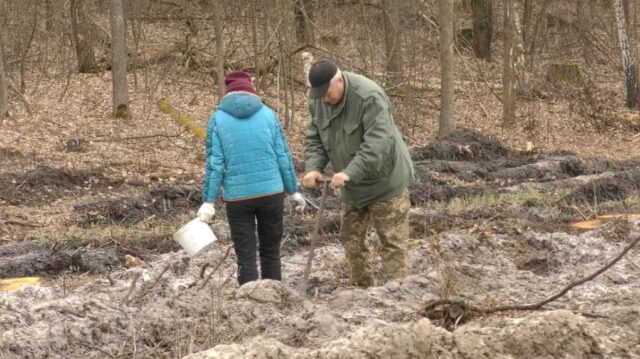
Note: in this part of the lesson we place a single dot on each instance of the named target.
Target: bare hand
(339, 179)
(310, 179)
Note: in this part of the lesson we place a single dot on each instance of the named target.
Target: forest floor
(83, 197)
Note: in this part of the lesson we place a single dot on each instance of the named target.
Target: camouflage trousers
(391, 221)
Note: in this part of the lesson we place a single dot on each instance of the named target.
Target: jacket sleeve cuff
(354, 174)
(313, 167)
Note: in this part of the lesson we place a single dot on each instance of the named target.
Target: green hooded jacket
(359, 137)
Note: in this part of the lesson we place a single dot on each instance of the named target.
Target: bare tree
(527, 15)
(446, 19)
(4, 96)
(256, 48)
(48, 19)
(393, 41)
(518, 53)
(82, 37)
(628, 63)
(482, 11)
(119, 60)
(508, 83)
(302, 19)
(532, 30)
(583, 13)
(218, 28)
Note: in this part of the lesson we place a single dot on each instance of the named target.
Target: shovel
(314, 238)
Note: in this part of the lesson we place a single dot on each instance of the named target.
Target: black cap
(320, 77)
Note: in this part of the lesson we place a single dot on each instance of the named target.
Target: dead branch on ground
(16, 222)
(430, 305)
(215, 269)
(145, 291)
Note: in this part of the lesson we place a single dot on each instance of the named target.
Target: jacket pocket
(389, 159)
(353, 137)
(323, 129)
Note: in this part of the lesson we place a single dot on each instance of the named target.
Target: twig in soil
(143, 294)
(581, 214)
(264, 301)
(204, 267)
(215, 269)
(632, 263)
(594, 315)
(533, 306)
(133, 286)
(311, 203)
(112, 281)
(91, 346)
(133, 340)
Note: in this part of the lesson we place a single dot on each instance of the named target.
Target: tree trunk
(583, 13)
(446, 18)
(218, 28)
(256, 49)
(625, 6)
(633, 29)
(302, 18)
(535, 34)
(48, 10)
(482, 11)
(527, 15)
(520, 64)
(508, 85)
(119, 60)
(628, 64)
(393, 41)
(82, 38)
(4, 87)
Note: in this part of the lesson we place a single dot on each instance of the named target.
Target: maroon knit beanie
(238, 81)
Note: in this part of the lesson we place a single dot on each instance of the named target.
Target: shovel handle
(314, 239)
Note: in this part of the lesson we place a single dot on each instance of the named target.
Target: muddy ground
(489, 225)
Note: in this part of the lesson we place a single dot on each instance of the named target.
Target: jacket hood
(240, 104)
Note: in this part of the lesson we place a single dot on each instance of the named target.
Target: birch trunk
(628, 64)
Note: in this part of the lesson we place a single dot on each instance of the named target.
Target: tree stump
(564, 73)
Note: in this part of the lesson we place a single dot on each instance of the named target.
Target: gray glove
(298, 203)
(206, 212)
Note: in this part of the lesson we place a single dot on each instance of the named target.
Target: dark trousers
(243, 216)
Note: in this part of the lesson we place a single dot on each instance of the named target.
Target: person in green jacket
(352, 128)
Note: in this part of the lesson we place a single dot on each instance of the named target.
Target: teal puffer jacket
(246, 151)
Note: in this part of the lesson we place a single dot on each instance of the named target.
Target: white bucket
(195, 237)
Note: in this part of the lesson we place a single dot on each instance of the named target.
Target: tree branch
(533, 306)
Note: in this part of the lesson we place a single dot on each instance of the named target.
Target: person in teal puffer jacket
(248, 157)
